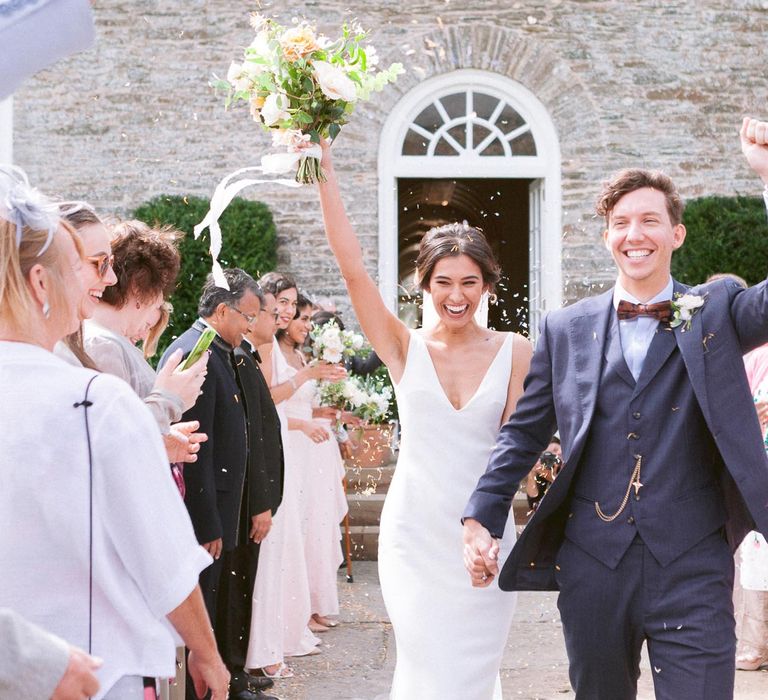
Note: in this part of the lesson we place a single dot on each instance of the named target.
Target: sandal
(750, 661)
(282, 671)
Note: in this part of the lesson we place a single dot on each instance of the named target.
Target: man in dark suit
(664, 461)
(217, 492)
(264, 488)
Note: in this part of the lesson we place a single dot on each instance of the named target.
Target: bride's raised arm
(386, 333)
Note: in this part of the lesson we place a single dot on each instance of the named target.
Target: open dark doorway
(497, 206)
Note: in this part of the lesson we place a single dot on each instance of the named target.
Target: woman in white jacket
(96, 544)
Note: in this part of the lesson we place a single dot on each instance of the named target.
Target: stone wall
(655, 83)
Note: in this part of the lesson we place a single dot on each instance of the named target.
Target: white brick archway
(493, 128)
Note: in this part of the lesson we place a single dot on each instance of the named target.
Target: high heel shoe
(315, 627)
(283, 671)
(324, 621)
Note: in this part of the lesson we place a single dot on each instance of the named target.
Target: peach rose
(298, 42)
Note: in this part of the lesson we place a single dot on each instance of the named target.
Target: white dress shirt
(636, 334)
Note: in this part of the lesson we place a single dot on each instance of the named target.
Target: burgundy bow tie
(661, 311)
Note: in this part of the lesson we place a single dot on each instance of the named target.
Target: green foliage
(250, 242)
(725, 234)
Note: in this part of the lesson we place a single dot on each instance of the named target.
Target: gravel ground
(358, 656)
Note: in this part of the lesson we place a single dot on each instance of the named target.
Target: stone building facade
(591, 85)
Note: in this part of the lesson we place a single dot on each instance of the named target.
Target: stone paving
(358, 656)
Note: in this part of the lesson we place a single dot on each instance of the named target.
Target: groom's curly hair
(626, 181)
(452, 240)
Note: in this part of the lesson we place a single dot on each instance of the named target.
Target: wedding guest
(146, 262)
(217, 495)
(751, 588)
(98, 274)
(313, 452)
(281, 602)
(80, 556)
(151, 338)
(265, 477)
(543, 473)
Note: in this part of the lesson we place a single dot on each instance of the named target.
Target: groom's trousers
(684, 611)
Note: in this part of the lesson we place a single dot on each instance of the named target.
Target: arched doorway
(475, 146)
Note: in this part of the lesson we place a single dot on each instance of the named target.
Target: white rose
(237, 77)
(260, 45)
(331, 355)
(274, 109)
(333, 82)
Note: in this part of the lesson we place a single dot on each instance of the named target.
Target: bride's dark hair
(451, 240)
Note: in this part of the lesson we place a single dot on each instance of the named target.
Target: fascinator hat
(25, 206)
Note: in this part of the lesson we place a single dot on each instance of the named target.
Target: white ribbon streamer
(229, 187)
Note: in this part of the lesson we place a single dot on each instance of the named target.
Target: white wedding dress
(450, 637)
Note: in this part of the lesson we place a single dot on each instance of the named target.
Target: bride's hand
(481, 552)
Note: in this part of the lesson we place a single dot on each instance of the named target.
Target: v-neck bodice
(432, 427)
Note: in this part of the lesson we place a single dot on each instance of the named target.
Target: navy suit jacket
(561, 390)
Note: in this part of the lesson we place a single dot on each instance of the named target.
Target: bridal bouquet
(331, 344)
(302, 86)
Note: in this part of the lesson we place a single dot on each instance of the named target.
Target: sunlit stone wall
(649, 83)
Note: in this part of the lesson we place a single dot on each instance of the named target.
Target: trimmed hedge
(725, 234)
(250, 242)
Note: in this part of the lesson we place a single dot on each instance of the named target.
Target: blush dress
(281, 601)
(322, 500)
(449, 636)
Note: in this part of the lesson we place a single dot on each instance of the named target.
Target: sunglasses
(103, 262)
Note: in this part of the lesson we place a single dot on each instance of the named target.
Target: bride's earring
(46, 309)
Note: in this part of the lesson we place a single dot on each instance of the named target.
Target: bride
(455, 384)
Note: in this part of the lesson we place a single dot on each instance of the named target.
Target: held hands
(261, 524)
(754, 145)
(184, 383)
(208, 674)
(79, 680)
(481, 552)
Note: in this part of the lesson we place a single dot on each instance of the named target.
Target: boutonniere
(684, 306)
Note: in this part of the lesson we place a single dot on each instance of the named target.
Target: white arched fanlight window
(475, 124)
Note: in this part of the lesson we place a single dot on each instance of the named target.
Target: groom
(665, 466)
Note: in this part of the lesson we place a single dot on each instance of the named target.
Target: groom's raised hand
(481, 553)
(754, 145)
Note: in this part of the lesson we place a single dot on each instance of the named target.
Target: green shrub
(250, 242)
(725, 234)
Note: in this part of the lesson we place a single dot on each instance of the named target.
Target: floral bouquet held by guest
(303, 86)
